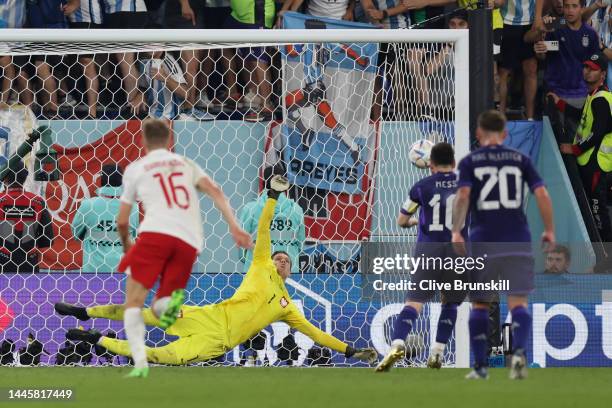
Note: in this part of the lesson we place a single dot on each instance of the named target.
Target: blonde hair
(156, 132)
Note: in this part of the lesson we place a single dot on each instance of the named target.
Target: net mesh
(337, 119)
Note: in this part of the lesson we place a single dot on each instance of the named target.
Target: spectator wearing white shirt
(338, 9)
(12, 15)
(88, 16)
(121, 14)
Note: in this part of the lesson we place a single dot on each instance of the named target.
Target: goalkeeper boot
(138, 373)
(171, 313)
(478, 373)
(397, 352)
(66, 309)
(434, 360)
(89, 336)
(518, 366)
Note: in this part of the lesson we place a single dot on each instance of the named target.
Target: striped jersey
(518, 12)
(397, 21)
(90, 11)
(115, 6)
(12, 13)
(161, 101)
(328, 8)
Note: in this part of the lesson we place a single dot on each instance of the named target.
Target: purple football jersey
(497, 177)
(434, 197)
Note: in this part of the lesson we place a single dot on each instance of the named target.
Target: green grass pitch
(225, 387)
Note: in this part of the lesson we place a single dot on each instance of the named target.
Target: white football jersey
(328, 8)
(165, 183)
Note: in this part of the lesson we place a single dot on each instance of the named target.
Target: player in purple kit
(491, 182)
(433, 198)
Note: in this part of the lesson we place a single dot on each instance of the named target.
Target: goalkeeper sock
(403, 324)
(446, 323)
(135, 332)
(479, 322)
(521, 324)
(160, 306)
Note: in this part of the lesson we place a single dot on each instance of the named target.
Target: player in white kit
(170, 236)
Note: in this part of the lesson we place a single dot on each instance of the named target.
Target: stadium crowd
(243, 83)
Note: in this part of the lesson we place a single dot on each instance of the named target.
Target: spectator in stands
(215, 14)
(424, 13)
(515, 52)
(12, 15)
(441, 81)
(389, 15)
(254, 14)
(186, 14)
(89, 16)
(340, 9)
(167, 89)
(576, 43)
(557, 261)
(25, 224)
(599, 13)
(48, 14)
(593, 141)
(94, 223)
(128, 14)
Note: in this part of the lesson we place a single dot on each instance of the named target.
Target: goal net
(336, 111)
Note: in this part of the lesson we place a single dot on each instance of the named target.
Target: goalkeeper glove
(368, 355)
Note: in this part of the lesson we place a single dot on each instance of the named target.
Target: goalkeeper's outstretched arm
(297, 321)
(263, 245)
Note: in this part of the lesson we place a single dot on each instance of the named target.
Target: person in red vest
(25, 224)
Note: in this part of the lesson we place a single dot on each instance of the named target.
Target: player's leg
(478, 326)
(518, 271)
(446, 324)
(159, 355)
(401, 329)
(521, 326)
(144, 264)
(171, 293)
(134, 325)
(110, 312)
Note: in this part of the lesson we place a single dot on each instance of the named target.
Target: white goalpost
(344, 108)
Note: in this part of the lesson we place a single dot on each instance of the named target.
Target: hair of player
(111, 175)
(156, 132)
(492, 121)
(442, 154)
(16, 174)
(282, 252)
(581, 2)
(562, 249)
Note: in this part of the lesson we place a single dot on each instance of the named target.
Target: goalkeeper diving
(210, 331)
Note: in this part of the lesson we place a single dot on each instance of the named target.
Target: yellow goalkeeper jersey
(261, 299)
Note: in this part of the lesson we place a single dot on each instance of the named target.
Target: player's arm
(127, 199)
(407, 215)
(546, 212)
(297, 321)
(460, 210)
(263, 244)
(123, 225)
(537, 187)
(207, 186)
(407, 220)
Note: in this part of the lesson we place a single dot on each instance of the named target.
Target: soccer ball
(419, 153)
